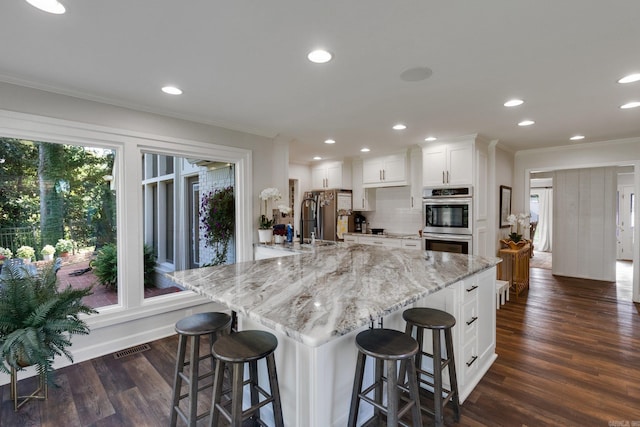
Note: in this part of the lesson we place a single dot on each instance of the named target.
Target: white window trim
(129, 145)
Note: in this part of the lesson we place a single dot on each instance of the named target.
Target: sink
(319, 243)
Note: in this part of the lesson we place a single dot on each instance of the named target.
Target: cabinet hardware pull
(384, 177)
(378, 243)
(363, 203)
(443, 181)
(473, 319)
(473, 288)
(411, 201)
(473, 359)
(447, 177)
(380, 174)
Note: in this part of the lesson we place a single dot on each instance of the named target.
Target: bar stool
(195, 326)
(436, 321)
(237, 349)
(393, 347)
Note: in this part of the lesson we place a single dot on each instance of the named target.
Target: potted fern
(36, 319)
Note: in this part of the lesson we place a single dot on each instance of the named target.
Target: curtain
(545, 218)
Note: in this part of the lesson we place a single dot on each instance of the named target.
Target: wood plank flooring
(568, 355)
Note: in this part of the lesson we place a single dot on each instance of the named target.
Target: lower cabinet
(472, 302)
(390, 242)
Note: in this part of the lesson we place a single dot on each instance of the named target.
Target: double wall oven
(448, 219)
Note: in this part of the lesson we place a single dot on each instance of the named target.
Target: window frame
(129, 146)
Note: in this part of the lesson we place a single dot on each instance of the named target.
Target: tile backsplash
(393, 212)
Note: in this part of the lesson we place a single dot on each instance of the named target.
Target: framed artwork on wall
(505, 205)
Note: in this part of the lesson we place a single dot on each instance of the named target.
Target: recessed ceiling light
(526, 123)
(430, 138)
(319, 56)
(631, 78)
(513, 102)
(632, 104)
(329, 141)
(399, 126)
(576, 137)
(51, 6)
(365, 150)
(172, 90)
(317, 158)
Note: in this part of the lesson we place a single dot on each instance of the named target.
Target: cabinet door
(334, 175)
(372, 171)
(434, 165)
(415, 181)
(486, 313)
(460, 164)
(318, 177)
(394, 169)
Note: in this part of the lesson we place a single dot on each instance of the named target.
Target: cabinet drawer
(351, 239)
(470, 291)
(470, 320)
(412, 244)
(470, 360)
(380, 241)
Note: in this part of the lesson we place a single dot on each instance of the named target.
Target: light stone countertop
(327, 291)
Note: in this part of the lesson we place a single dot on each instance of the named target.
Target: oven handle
(449, 201)
(454, 237)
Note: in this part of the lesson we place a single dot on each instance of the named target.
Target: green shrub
(105, 266)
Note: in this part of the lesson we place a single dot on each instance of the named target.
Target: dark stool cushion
(386, 344)
(244, 346)
(429, 318)
(203, 323)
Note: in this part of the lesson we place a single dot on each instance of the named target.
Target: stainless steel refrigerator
(327, 213)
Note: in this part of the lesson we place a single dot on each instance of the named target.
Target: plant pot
(265, 236)
(513, 245)
(64, 254)
(47, 257)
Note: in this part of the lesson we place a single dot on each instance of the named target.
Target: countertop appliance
(448, 219)
(327, 213)
(360, 223)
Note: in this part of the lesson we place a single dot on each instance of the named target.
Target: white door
(625, 222)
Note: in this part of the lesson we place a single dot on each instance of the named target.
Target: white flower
(284, 209)
(512, 219)
(270, 193)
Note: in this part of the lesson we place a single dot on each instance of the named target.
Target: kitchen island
(318, 300)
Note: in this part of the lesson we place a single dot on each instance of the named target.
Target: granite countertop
(328, 291)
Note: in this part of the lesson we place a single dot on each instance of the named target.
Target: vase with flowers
(266, 219)
(519, 221)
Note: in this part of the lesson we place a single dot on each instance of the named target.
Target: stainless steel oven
(448, 210)
(456, 243)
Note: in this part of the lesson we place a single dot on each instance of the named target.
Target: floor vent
(133, 350)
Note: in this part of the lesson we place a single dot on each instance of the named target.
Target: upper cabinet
(330, 175)
(386, 171)
(364, 199)
(447, 164)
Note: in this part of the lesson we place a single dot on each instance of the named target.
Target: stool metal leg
(437, 377)
(194, 369)
(453, 379)
(377, 394)
(236, 398)
(217, 393)
(392, 394)
(414, 393)
(275, 391)
(177, 379)
(253, 387)
(357, 386)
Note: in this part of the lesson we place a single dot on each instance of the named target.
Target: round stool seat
(203, 323)
(244, 346)
(429, 318)
(386, 344)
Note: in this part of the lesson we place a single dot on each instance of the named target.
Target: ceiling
(242, 65)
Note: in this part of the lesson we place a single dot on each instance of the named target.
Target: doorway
(625, 222)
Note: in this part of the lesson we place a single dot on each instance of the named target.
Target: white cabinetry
(363, 199)
(415, 172)
(447, 164)
(387, 171)
(330, 175)
(472, 303)
(389, 242)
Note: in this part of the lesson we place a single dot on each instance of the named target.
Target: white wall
(584, 223)
(609, 153)
(504, 163)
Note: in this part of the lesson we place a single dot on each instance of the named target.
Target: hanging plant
(218, 214)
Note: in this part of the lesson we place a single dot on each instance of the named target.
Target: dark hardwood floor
(568, 355)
